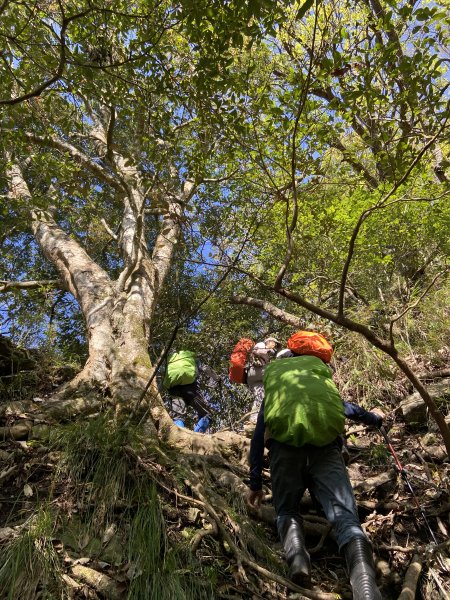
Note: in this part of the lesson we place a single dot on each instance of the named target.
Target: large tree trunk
(117, 314)
(117, 321)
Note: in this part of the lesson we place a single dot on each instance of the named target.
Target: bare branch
(371, 181)
(62, 250)
(109, 230)
(219, 179)
(270, 309)
(109, 134)
(4, 6)
(185, 124)
(290, 228)
(62, 59)
(30, 285)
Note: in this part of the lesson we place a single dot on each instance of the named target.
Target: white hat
(286, 353)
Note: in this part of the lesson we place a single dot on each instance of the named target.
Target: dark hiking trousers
(192, 396)
(323, 472)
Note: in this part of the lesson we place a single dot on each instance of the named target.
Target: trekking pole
(399, 468)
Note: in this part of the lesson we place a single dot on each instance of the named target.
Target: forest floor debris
(409, 564)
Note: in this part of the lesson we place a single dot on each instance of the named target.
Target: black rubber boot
(358, 556)
(292, 537)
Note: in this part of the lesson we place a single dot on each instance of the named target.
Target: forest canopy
(178, 175)
(278, 148)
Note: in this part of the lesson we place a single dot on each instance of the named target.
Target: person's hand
(380, 416)
(254, 498)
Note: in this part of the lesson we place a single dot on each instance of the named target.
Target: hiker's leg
(257, 390)
(178, 411)
(194, 398)
(290, 530)
(199, 404)
(191, 395)
(361, 569)
(332, 487)
(287, 488)
(202, 425)
(330, 484)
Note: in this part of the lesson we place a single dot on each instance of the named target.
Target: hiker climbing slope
(259, 357)
(181, 381)
(247, 364)
(302, 419)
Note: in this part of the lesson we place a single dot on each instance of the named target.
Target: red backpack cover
(310, 342)
(238, 360)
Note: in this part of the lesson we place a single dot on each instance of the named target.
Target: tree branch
(218, 179)
(109, 135)
(108, 229)
(291, 227)
(4, 6)
(29, 285)
(371, 181)
(55, 142)
(80, 275)
(270, 309)
(61, 63)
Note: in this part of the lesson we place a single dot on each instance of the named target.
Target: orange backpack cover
(310, 342)
(238, 360)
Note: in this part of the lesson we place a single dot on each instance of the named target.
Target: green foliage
(379, 455)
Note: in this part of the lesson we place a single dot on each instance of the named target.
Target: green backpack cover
(301, 403)
(181, 369)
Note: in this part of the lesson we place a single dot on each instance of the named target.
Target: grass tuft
(29, 565)
(98, 467)
(161, 572)
(107, 489)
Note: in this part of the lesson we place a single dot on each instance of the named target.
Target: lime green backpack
(181, 369)
(301, 403)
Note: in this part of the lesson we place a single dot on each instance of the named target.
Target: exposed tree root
(373, 482)
(17, 431)
(231, 446)
(98, 581)
(221, 522)
(198, 537)
(207, 473)
(291, 586)
(411, 578)
(323, 537)
(68, 408)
